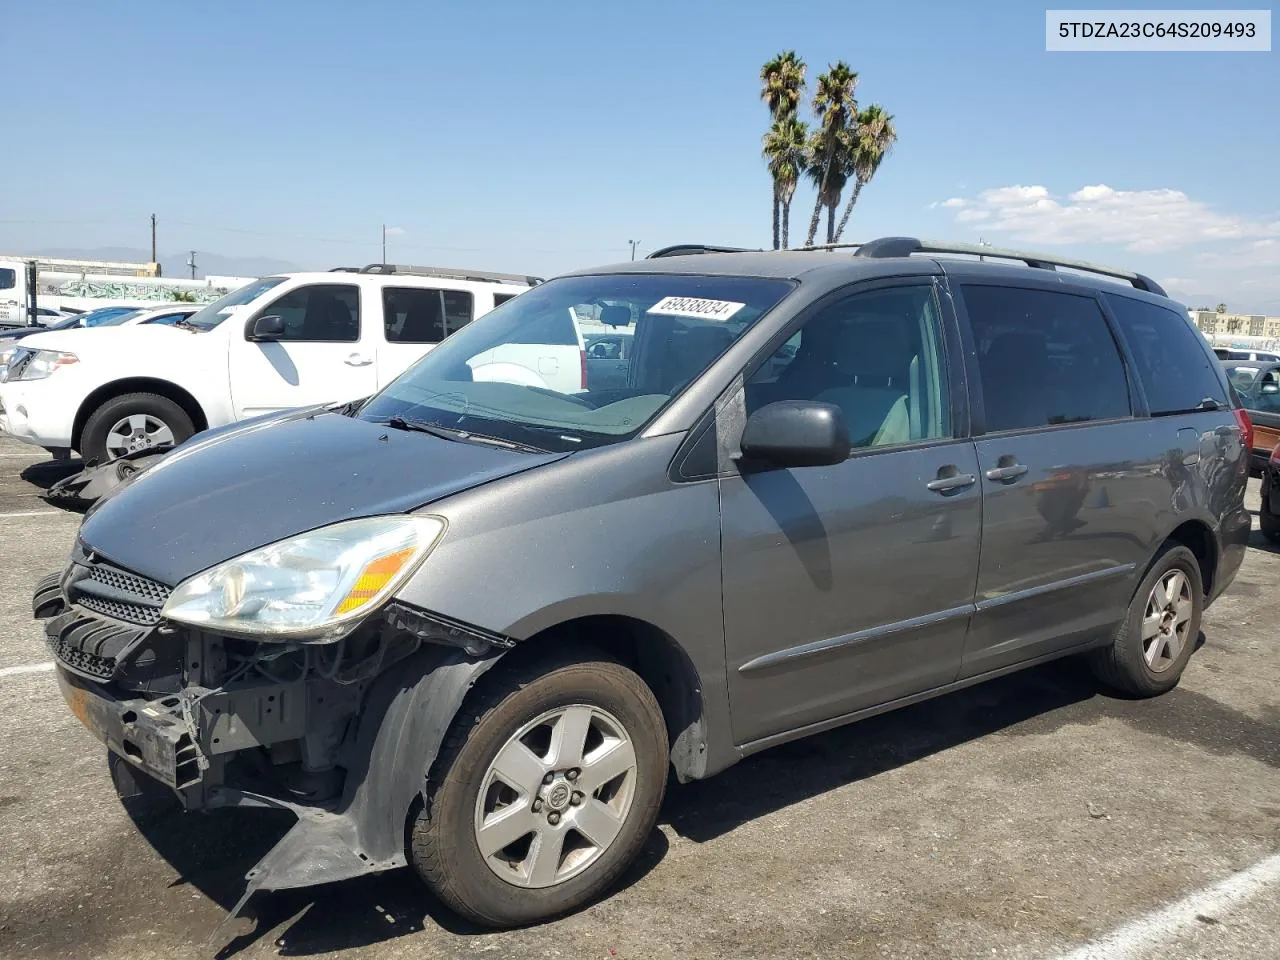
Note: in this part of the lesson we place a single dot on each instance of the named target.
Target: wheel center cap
(558, 795)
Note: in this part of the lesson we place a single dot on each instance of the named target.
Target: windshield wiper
(422, 426)
(460, 436)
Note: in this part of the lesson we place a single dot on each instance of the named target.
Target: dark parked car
(472, 625)
(1258, 384)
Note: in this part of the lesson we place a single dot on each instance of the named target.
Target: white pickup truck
(279, 342)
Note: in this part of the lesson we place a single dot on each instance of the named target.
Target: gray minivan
(470, 625)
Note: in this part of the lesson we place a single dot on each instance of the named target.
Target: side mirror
(1270, 388)
(264, 328)
(797, 433)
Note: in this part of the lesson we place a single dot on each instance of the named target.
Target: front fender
(402, 724)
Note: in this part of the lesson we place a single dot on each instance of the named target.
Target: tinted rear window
(1176, 371)
(1044, 358)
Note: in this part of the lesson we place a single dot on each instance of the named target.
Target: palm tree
(874, 136)
(835, 107)
(781, 88)
(782, 83)
(784, 152)
(828, 169)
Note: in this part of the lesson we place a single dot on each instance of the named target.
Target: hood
(261, 484)
(142, 336)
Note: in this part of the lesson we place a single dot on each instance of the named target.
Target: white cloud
(1138, 220)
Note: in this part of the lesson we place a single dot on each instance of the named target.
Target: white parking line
(1144, 935)
(25, 668)
(34, 513)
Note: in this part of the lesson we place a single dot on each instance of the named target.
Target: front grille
(89, 646)
(112, 592)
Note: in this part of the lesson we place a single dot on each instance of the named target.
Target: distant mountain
(175, 264)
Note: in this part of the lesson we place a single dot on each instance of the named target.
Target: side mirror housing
(264, 328)
(797, 433)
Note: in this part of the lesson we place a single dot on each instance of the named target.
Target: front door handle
(356, 360)
(1007, 473)
(957, 481)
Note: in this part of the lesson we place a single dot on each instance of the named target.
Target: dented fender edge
(401, 727)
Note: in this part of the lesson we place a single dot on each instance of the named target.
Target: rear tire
(157, 420)
(1154, 642)
(518, 726)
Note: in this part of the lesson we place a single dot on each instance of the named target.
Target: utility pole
(384, 243)
(191, 262)
(633, 247)
(153, 238)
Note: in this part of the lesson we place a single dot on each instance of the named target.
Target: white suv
(279, 342)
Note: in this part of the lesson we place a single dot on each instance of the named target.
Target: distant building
(1225, 325)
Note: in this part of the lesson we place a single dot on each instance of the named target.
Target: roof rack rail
(687, 249)
(452, 273)
(905, 246)
(344, 269)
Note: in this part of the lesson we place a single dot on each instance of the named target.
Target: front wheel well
(117, 388)
(659, 661)
(1198, 538)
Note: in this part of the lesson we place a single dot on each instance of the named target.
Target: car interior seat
(873, 358)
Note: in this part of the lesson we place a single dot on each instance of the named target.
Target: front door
(851, 585)
(325, 354)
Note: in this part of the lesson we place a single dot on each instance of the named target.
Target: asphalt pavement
(1035, 816)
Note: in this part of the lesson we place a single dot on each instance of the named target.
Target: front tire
(1155, 641)
(132, 422)
(547, 786)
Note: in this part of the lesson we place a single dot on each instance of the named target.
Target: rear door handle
(1007, 473)
(954, 482)
(356, 360)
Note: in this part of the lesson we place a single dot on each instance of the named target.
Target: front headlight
(26, 364)
(311, 588)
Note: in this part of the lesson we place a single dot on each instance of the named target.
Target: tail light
(1246, 428)
(583, 362)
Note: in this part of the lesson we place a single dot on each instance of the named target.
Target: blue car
(94, 318)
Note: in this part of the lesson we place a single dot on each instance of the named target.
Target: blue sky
(543, 137)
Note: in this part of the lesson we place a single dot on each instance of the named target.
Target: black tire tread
(1114, 664)
(1270, 524)
(505, 680)
(89, 441)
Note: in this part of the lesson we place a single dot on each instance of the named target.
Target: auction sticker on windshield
(719, 310)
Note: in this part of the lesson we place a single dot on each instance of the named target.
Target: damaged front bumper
(343, 735)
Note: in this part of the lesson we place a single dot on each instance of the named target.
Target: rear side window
(1177, 373)
(8, 278)
(1044, 358)
(500, 298)
(418, 315)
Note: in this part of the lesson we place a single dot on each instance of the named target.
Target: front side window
(1044, 358)
(875, 355)
(320, 312)
(418, 315)
(8, 278)
(1177, 374)
(1265, 393)
(521, 372)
